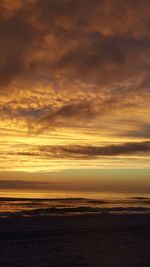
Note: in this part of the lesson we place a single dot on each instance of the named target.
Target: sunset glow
(74, 87)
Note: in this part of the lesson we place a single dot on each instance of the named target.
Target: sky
(74, 91)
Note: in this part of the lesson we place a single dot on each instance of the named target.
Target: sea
(61, 203)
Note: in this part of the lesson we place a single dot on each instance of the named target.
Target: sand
(86, 240)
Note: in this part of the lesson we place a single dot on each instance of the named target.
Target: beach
(84, 239)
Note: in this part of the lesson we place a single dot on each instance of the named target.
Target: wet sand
(87, 240)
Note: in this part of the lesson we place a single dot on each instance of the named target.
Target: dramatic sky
(74, 85)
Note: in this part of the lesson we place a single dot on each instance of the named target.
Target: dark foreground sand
(100, 240)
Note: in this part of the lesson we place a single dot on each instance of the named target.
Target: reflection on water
(70, 203)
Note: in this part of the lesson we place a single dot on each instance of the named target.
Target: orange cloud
(75, 68)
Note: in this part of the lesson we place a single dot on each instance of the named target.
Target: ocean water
(59, 203)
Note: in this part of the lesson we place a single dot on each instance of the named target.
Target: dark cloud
(85, 110)
(96, 41)
(79, 151)
(143, 131)
(17, 35)
(106, 60)
(109, 150)
(93, 47)
(16, 184)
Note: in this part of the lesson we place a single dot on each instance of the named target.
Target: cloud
(102, 42)
(142, 131)
(74, 113)
(16, 184)
(74, 65)
(88, 152)
(16, 37)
